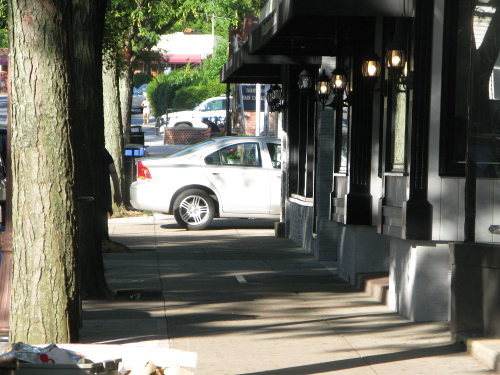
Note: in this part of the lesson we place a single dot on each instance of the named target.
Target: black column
(359, 200)
(417, 211)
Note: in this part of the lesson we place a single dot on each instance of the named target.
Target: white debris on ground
(115, 359)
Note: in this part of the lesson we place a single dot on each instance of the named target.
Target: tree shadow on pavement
(345, 364)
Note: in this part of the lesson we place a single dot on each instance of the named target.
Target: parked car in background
(138, 96)
(238, 177)
(213, 108)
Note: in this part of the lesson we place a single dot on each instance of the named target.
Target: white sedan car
(238, 177)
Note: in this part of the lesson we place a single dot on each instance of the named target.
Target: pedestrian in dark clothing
(214, 129)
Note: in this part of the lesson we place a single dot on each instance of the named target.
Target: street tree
(44, 306)
(133, 27)
(88, 130)
(57, 134)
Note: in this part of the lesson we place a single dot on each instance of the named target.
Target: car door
(236, 172)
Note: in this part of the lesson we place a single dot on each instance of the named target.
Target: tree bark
(125, 87)
(44, 306)
(113, 129)
(88, 121)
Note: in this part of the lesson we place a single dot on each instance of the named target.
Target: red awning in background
(176, 58)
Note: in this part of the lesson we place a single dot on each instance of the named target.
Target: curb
(485, 350)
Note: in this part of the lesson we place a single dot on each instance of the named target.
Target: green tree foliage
(141, 79)
(162, 89)
(3, 24)
(188, 97)
(203, 83)
(199, 14)
(3, 14)
(4, 42)
(183, 89)
(135, 26)
(211, 67)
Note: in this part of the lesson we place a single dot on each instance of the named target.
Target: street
(153, 142)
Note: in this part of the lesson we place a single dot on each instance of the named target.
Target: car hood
(181, 114)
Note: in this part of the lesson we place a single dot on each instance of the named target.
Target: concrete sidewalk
(234, 299)
(247, 302)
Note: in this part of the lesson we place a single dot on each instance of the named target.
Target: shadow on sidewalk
(225, 224)
(320, 368)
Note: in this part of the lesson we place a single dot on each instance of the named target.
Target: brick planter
(185, 136)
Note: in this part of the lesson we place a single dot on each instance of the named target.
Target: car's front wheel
(194, 209)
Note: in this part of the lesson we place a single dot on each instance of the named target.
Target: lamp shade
(371, 66)
(339, 79)
(275, 98)
(323, 85)
(395, 56)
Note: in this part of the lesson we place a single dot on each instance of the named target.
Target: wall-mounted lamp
(323, 88)
(306, 82)
(339, 80)
(395, 57)
(338, 84)
(371, 69)
(275, 98)
(396, 64)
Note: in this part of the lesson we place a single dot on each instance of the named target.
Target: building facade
(394, 168)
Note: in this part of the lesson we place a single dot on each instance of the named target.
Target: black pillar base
(475, 290)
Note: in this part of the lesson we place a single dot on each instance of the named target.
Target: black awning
(300, 32)
(310, 27)
(245, 68)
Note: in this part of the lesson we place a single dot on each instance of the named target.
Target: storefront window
(396, 89)
(302, 145)
(345, 140)
(399, 131)
(471, 87)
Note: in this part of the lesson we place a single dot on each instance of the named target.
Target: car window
(190, 150)
(213, 158)
(242, 154)
(275, 153)
(216, 105)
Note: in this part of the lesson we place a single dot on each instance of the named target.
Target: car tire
(194, 209)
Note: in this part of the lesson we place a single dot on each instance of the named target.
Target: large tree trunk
(88, 25)
(126, 76)
(125, 86)
(44, 306)
(113, 129)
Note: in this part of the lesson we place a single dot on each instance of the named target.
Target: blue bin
(135, 150)
(132, 152)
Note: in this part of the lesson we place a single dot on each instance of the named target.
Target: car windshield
(190, 150)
